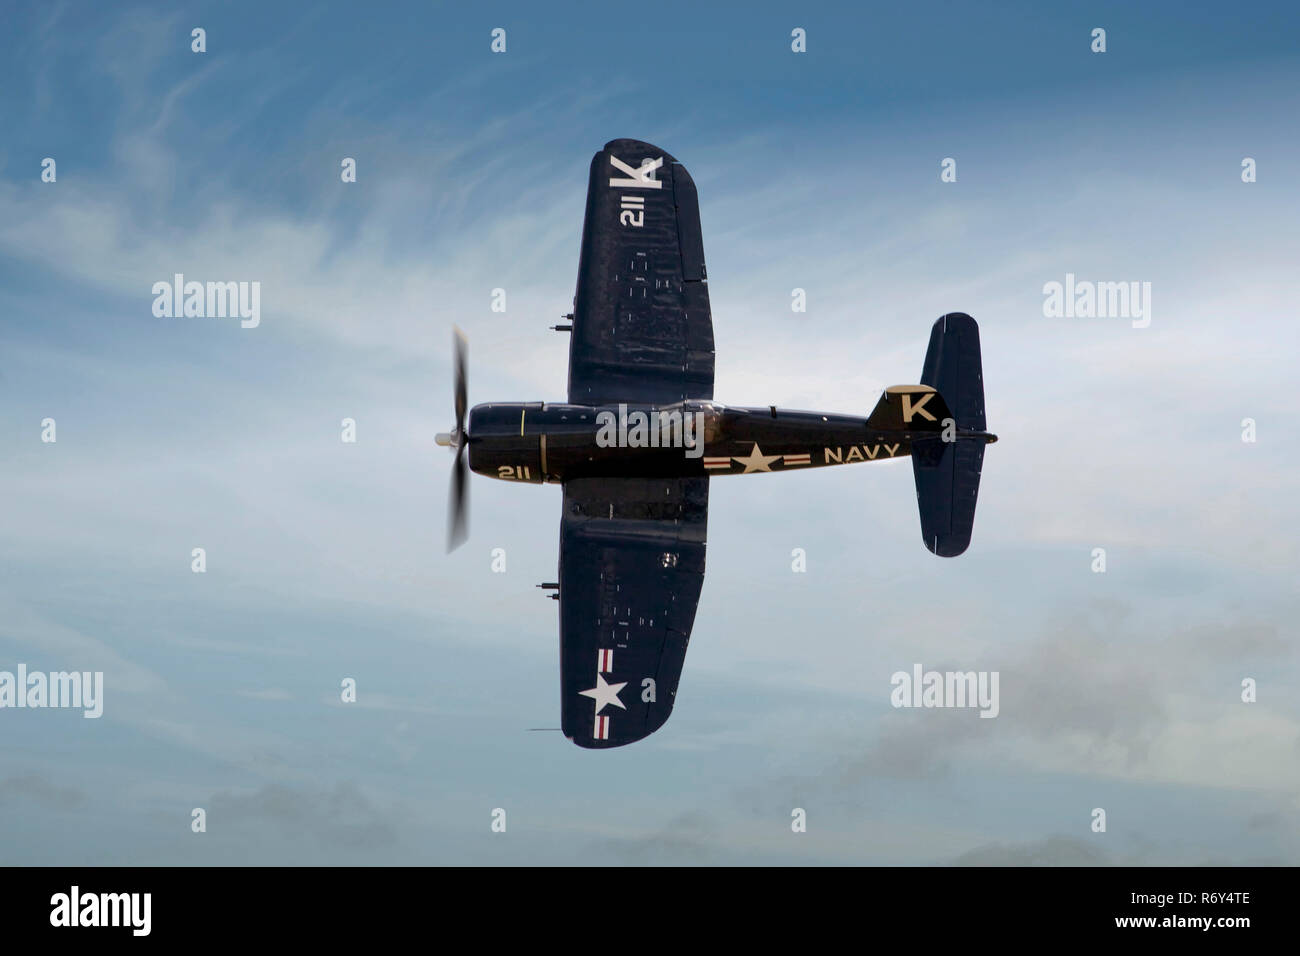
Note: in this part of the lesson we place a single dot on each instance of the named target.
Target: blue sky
(817, 171)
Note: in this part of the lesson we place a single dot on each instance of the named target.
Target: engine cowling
(501, 445)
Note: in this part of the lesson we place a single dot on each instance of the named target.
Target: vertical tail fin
(947, 473)
(909, 408)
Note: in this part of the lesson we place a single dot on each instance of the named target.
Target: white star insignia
(604, 694)
(756, 461)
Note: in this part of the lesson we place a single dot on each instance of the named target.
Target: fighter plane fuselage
(543, 442)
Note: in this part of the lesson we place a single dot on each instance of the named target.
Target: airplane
(640, 438)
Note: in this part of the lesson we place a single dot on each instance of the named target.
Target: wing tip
(583, 737)
(625, 144)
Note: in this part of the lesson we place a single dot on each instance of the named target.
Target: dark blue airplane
(640, 436)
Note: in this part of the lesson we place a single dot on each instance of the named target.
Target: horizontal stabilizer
(954, 367)
(947, 473)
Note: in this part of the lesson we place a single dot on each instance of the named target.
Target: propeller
(458, 502)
